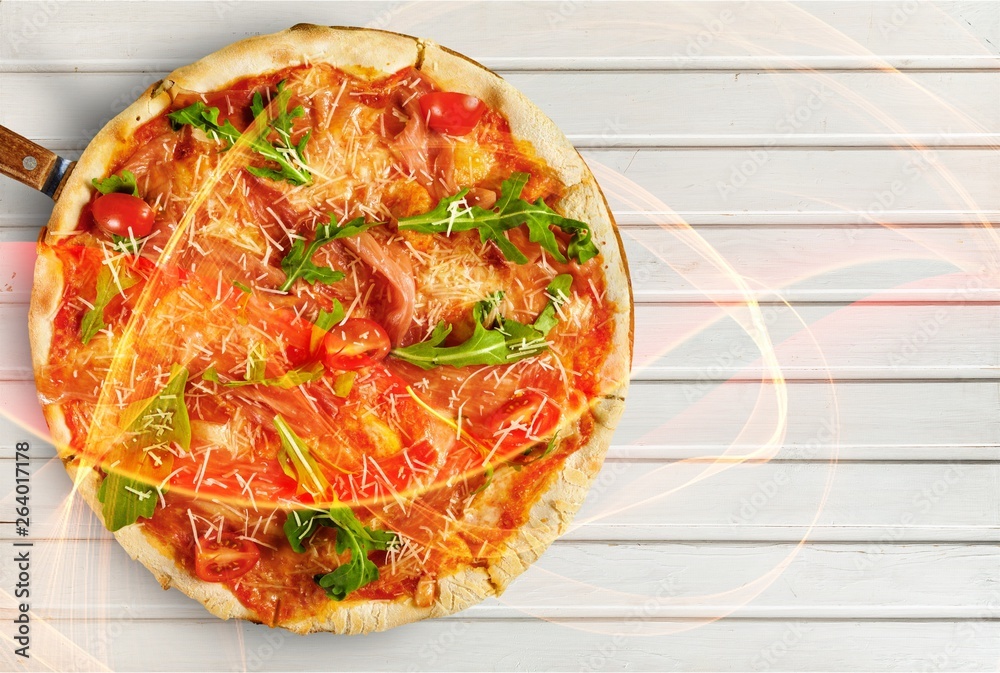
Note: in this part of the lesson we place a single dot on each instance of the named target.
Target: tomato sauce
(398, 431)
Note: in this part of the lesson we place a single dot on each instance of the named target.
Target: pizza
(331, 329)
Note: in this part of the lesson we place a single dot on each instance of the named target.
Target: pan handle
(32, 164)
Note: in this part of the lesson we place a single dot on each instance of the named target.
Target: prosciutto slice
(428, 155)
(392, 264)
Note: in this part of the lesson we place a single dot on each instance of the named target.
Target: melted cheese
(236, 238)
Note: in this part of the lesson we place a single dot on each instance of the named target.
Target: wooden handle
(32, 164)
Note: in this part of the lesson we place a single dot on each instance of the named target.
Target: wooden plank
(816, 342)
(587, 580)
(878, 503)
(552, 35)
(116, 640)
(814, 264)
(612, 581)
(716, 343)
(851, 187)
(873, 420)
(858, 184)
(644, 109)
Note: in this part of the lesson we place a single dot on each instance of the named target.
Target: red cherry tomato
(226, 559)
(524, 419)
(357, 343)
(450, 112)
(116, 213)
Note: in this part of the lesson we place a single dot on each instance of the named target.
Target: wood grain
(837, 156)
(30, 164)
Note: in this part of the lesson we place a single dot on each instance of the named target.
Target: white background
(836, 507)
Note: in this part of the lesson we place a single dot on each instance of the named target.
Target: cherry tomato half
(450, 112)
(357, 343)
(294, 330)
(522, 420)
(116, 213)
(219, 561)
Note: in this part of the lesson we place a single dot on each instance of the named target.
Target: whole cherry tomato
(117, 213)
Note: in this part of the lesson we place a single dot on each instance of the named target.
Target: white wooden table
(832, 503)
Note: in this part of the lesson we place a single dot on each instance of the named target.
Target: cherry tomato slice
(116, 213)
(295, 331)
(450, 112)
(357, 343)
(524, 419)
(219, 561)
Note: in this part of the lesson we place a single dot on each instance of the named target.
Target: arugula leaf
(125, 499)
(256, 363)
(126, 244)
(558, 293)
(288, 380)
(298, 262)
(256, 373)
(509, 341)
(327, 319)
(453, 214)
(125, 183)
(549, 448)
(351, 535)
(205, 118)
(324, 323)
(127, 491)
(343, 384)
(297, 462)
(110, 283)
(163, 418)
(290, 157)
(242, 287)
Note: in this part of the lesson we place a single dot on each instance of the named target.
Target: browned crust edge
(371, 52)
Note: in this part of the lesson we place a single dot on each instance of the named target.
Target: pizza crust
(370, 53)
